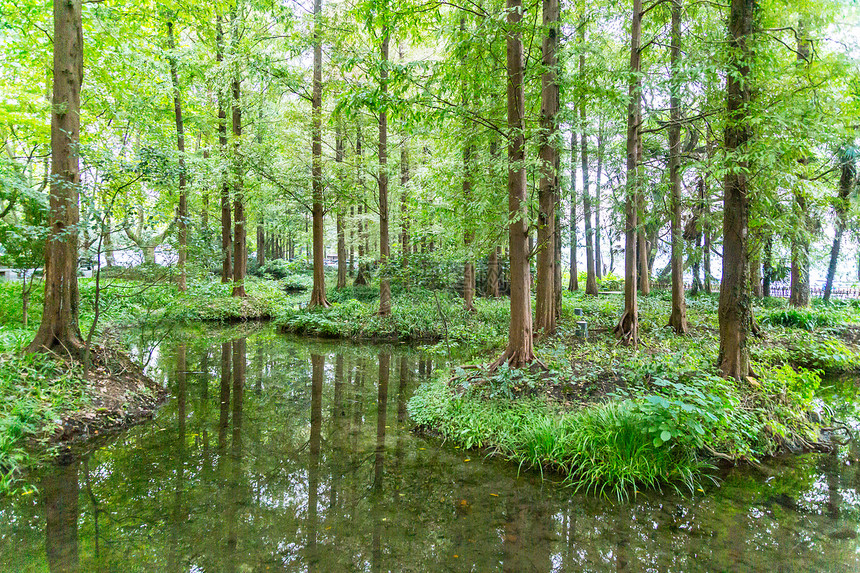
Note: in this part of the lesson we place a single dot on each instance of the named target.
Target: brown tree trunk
(318, 297)
(226, 216)
(573, 285)
(598, 253)
(384, 250)
(361, 276)
(341, 208)
(261, 243)
(545, 299)
(404, 210)
(627, 328)
(755, 274)
(520, 350)
(240, 246)
(706, 232)
(182, 214)
(847, 180)
(800, 285)
(735, 310)
(493, 273)
(642, 240)
(590, 277)
(469, 235)
(678, 318)
(59, 329)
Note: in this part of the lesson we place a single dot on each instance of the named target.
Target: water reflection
(284, 455)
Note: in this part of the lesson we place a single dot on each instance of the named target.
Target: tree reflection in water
(299, 478)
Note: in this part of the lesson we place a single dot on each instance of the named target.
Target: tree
(520, 349)
(59, 328)
(678, 318)
(627, 328)
(735, 307)
(546, 312)
(182, 213)
(240, 243)
(318, 297)
(847, 158)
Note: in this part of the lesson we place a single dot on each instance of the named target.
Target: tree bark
(598, 253)
(59, 329)
(590, 277)
(847, 179)
(493, 273)
(678, 318)
(735, 307)
(520, 349)
(627, 328)
(361, 276)
(767, 273)
(318, 297)
(548, 191)
(384, 247)
(573, 285)
(341, 208)
(240, 246)
(469, 234)
(404, 210)
(226, 215)
(182, 213)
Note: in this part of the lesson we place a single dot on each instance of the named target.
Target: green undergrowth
(660, 426)
(415, 316)
(35, 391)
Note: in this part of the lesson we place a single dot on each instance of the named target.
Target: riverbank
(48, 403)
(609, 419)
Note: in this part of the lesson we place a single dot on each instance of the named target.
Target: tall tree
(573, 285)
(847, 157)
(341, 205)
(59, 328)
(240, 243)
(545, 312)
(735, 308)
(678, 318)
(590, 278)
(226, 213)
(318, 297)
(520, 349)
(800, 286)
(182, 212)
(627, 328)
(384, 245)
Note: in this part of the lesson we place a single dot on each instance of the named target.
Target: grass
(35, 391)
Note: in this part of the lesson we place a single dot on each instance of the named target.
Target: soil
(121, 395)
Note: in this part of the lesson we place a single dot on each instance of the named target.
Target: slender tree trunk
(598, 253)
(735, 309)
(644, 246)
(404, 209)
(678, 318)
(182, 214)
(384, 246)
(204, 207)
(341, 208)
(351, 240)
(493, 273)
(590, 277)
(628, 327)
(573, 285)
(768, 266)
(520, 350)
(226, 215)
(548, 191)
(847, 180)
(59, 328)
(706, 232)
(240, 246)
(361, 276)
(469, 234)
(755, 273)
(261, 242)
(318, 297)
(800, 285)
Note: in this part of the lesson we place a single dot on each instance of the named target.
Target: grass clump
(35, 391)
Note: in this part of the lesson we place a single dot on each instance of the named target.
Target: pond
(283, 454)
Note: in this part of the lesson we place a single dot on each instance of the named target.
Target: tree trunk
(598, 254)
(341, 208)
(706, 232)
(59, 327)
(678, 318)
(735, 309)
(520, 350)
(493, 274)
(318, 297)
(545, 311)
(573, 285)
(404, 210)
(590, 277)
(846, 184)
(755, 275)
(799, 294)
(240, 247)
(226, 216)
(182, 214)
(469, 234)
(361, 276)
(384, 284)
(627, 328)
(767, 272)
(644, 246)
(261, 242)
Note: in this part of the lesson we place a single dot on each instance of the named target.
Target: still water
(280, 454)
